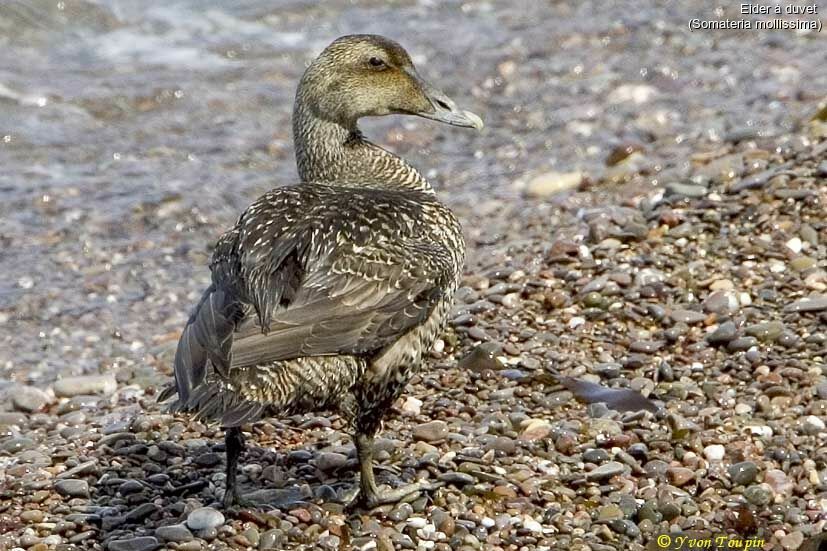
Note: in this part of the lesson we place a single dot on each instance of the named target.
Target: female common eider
(326, 295)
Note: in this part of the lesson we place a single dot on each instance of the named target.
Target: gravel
(689, 267)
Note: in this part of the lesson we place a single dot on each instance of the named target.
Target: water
(133, 133)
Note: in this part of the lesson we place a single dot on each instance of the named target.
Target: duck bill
(444, 109)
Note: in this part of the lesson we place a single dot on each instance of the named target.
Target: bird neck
(338, 154)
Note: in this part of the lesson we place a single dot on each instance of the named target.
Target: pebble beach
(645, 210)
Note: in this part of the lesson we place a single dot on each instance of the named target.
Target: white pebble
(813, 425)
(714, 453)
(530, 524)
(761, 430)
(576, 322)
(412, 405)
(794, 245)
(417, 522)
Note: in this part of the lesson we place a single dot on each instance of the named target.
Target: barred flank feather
(212, 401)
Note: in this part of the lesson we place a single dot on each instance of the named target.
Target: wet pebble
(606, 470)
(743, 473)
(723, 334)
(85, 384)
(72, 487)
(175, 533)
(330, 461)
(30, 399)
(809, 304)
(767, 331)
(687, 316)
(143, 543)
(204, 518)
(433, 431)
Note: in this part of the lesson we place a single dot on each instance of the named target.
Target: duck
(326, 295)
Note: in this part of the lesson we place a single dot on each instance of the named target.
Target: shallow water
(133, 133)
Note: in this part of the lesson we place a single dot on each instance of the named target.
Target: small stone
(424, 448)
(330, 461)
(412, 405)
(609, 512)
(208, 459)
(795, 245)
(687, 316)
(767, 332)
(535, 429)
(721, 302)
(596, 456)
(433, 431)
(72, 487)
(809, 304)
(457, 479)
(779, 482)
(743, 473)
(204, 518)
(550, 183)
(502, 444)
(649, 511)
(87, 467)
(685, 190)
(714, 453)
(85, 384)
(808, 233)
(532, 525)
(741, 344)
(175, 532)
(647, 347)
(758, 494)
(802, 263)
(793, 540)
(725, 332)
(15, 445)
(271, 539)
(813, 425)
(130, 487)
(32, 515)
(417, 522)
(12, 418)
(29, 399)
(143, 543)
(401, 512)
(607, 470)
(679, 476)
(722, 285)
(141, 512)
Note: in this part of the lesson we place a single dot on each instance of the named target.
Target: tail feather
(208, 335)
(213, 401)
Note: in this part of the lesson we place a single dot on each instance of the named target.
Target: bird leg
(370, 495)
(234, 444)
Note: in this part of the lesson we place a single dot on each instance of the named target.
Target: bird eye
(376, 62)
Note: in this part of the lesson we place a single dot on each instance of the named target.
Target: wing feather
(323, 283)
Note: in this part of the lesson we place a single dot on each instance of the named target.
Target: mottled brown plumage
(325, 295)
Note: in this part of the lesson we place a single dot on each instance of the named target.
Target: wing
(330, 273)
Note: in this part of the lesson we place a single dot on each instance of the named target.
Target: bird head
(369, 75)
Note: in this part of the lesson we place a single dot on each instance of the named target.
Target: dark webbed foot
(370, 495)
(233, 501)
(234, 444)
(370, 500)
